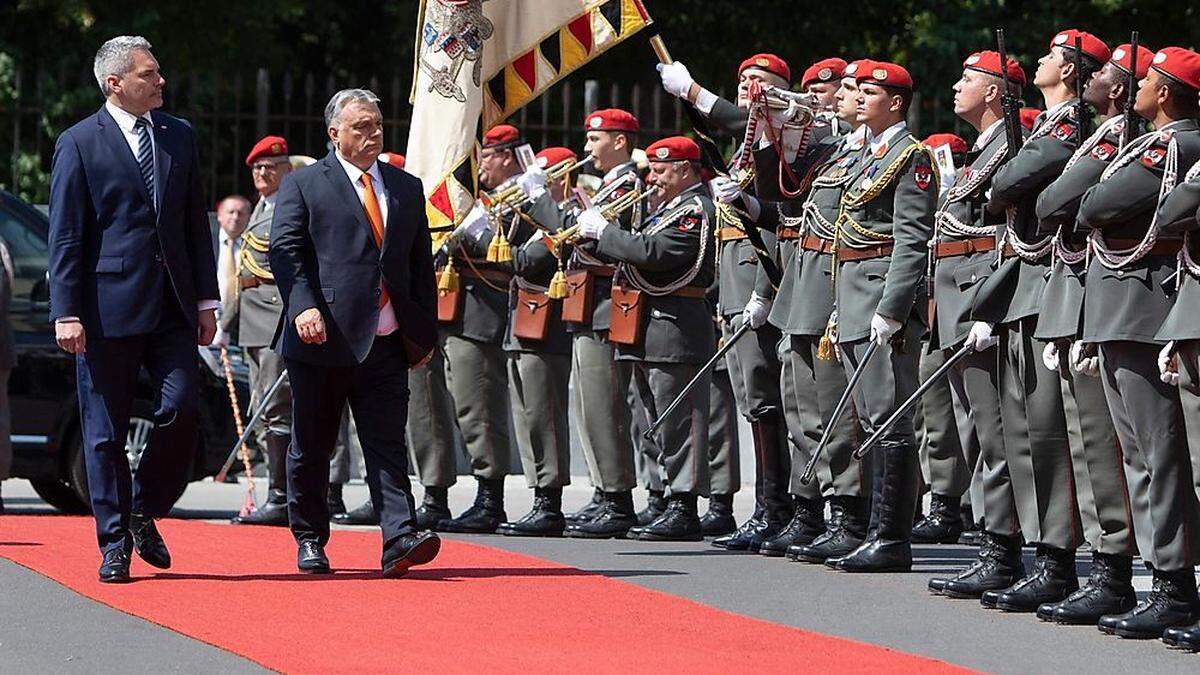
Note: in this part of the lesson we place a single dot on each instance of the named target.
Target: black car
(47, 447)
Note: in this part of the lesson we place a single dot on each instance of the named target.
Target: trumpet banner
(485, 59)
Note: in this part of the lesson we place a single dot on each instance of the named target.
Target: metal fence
(231, 111)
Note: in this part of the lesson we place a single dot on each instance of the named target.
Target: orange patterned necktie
(375, 216)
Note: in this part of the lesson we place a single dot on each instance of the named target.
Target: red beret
(1179, 64)
(956, 143)
(269, 146)
(548, 157)
(501, 137)
(1092, 45)
(394, 158)
(989, 62)
(884, 74)
(611, 119)
(768, 62)
(674, 149)
(825, 70)
(853, 67)
(1121, 57)
(1029, 116)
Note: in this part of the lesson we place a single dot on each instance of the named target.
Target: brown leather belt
(814, 243)
(788, 233)
(691, 292)
(730, 234)
(490, 275)
(952, 249)
(1008, 251)
(1168, 247)
(598, 270)
(868, 253)
(253, 282)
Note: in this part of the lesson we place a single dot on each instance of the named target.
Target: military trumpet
(610, 211)
(512, 197)
(782, 99)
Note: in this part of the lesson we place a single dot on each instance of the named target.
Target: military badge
(1103, 152)
(1064, 131)
(1153, 156)
(922, 176)
(688, 223)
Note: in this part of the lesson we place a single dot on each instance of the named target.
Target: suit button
(378, 292)
(972, 277)
(1120, 273)
(158, 257)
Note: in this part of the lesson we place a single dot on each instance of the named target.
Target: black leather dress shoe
(409, 550)
(363, 514)
(678, 523)
(310, 558)
(115, 567)
(1171, 603)
(1052, 580)
(148, 542)
(270, 513)
(875, 555)
(1108, 591)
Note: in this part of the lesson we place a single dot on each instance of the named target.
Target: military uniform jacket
(672, 249)
(890, 199)
(534, 265)
(251, 315)
(963, 215)
(1057, 208)
(1015, 290)
(1131, 301)
(805, 298)
(1179, 214)
(618, 182)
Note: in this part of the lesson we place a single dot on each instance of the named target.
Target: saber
(241, 442)
(911, 403)
(838, 411)
(737, 335)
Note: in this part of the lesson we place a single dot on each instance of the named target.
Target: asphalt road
(892, 610)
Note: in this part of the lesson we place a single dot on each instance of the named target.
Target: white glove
(1168, 370)
(676, 79)
(883, 328)
(725, 189)
(474, 224)
(756, 311)
(591, 224)
(1082, 363)
(220, 338)
(980, 337)
(533, 182)
(1050, 357)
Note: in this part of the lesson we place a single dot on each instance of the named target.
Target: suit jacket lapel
(393, 217)
(116, 140)
(341, 184)
(162, 160)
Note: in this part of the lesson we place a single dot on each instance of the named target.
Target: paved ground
(48, 628)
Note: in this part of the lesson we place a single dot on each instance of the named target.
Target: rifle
(1129, 132)
(1081, 115)
(1010, 103)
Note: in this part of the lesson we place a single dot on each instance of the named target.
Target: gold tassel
(825, 350)
(448, 279)
(499, 251)
(559, 288)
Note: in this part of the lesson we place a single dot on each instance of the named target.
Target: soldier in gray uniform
(1034, 419)
(1102, 493)
(1129, 294)
(1179, 360)
(476, 364)
(661, 322)
(882, 239)
(250, 315)
(963, 257)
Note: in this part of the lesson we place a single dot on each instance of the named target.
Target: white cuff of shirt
(705, 101)
(208, 304)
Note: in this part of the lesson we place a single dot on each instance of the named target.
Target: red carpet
(475, 608)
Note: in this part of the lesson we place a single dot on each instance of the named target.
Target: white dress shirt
(985, 136)
(886, 135)
(387, 316)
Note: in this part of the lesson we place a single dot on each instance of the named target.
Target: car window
(25, 235)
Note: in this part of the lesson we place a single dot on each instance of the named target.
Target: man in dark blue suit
(351, 253)
(132, 283)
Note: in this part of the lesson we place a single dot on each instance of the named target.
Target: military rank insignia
(1103, 151)
(923, 176)
(1064, 131)
(1152, 157)
(688, 223)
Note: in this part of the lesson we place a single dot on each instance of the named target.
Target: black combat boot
(1052, 580)
(938, 584)
(679, 522)
(434, 508)
(591, 510)
(847, 528)
(888, 548)
(740, 538)
(334, 499)
(363, 514)
(1109, 590)
(808, 522)
(773, 508)
(656, 505)
(274, 510)
(613, 521)
(545, 519)
(943, 525)
(1172, 603)
(485, 515)
(999, 567)
(1187, 638)
(716, 521)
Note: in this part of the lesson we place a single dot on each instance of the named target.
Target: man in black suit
(352, 257)
(133, 283)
